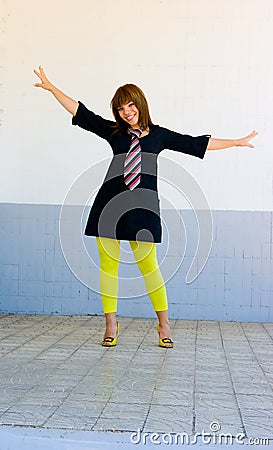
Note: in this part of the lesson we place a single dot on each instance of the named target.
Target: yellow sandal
(165, 342)
(111, 341)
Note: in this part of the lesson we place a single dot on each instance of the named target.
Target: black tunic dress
(117, 212)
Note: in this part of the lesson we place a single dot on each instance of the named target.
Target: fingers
(41, 74)
(253, 134)
(43, 79)
(250, 137)
(42, 70)
(245, 141)
(37, 73)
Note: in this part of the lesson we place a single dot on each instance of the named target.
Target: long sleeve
(90, 121)
(184, 143)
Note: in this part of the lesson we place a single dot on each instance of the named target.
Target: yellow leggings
(145, 256)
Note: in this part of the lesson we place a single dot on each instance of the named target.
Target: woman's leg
(146, 259)
(109, 253)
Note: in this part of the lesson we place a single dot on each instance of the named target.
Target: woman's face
(130, 114)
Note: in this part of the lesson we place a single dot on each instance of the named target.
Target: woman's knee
(148, 264)
(145, 256)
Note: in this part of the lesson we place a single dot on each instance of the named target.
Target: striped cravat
(132, 164)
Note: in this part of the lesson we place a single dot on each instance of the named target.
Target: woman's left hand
(244, 142)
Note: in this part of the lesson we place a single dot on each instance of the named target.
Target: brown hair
(131, 93)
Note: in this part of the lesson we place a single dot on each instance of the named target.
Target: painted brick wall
(235, 284)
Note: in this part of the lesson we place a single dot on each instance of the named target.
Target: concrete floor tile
(228, 418)
(221, 400)
(246, 385)
(134, 411)
(212, 387)
(89, 395)
(175, 382)
(183, 374)
(81, 422)
(269, 379)
(140, 363)
(27, 414)
(86, 409)
(180, 398)
(132, 396)
(207, 420)
(169, 419)
(10, 395)
(89, 388)
(255, 402)
(41, 400)
(258, 423)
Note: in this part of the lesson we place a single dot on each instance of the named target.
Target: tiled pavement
(55, 374)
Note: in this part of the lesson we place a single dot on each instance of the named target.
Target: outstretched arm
(68, 103)
(218, 144)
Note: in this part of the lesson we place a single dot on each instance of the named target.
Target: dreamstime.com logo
(214, 437)
(176, 179)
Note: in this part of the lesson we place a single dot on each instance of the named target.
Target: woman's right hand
(68, 103)
(45, 83)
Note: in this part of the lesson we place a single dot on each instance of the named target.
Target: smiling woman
(130, 107)
(129, 113)
(127, 204)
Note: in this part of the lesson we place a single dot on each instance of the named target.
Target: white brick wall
(205, 65)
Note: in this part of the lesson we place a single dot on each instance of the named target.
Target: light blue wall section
(235, 285)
